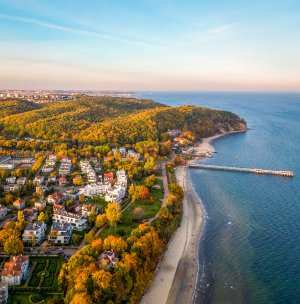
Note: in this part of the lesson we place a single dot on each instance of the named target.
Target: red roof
(109, 175)
(14, 266)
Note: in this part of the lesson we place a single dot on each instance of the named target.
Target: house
(3, 211)
(62, 181)
(65, 159)
(19, 204)
(61, 233)
(108, 258)
(40, 205)
(65, 168)
(51, 179)
(98, 168)
(56, 198)
(174, 132)
(21, 181)
(134, 154)
(76, 220)
(11, 180)
(38, 180)
(108, 177)
(7, 166)
(57, 207)
(3, 293)
(94, 159)
(122, 151)
(15, 270)
(52, 157)
(30, 214)
(11, 188)
(47, 169)
(34, 231)
(86, 210)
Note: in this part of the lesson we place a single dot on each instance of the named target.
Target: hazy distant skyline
(150, 45)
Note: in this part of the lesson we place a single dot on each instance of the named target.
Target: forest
(108, 121)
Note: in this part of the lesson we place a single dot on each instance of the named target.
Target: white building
(47, 169)
(15, 270)
(11, 180)
(134, 154)
(65, 168)
(21, 181)
(95, 189)
(3, 211)
(11, 188)
(115, 194)
(61, 233)
(76, 220)
(40, 205)
(34, 231)
(86, 210)
(38, 180)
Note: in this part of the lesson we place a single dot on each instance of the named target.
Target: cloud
(68, 29)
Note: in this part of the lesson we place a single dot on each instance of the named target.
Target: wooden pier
(245, 170)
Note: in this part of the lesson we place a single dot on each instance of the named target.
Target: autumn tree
(13, 246)
(150, 181)
(97, 244)
(101, 220)
(102, 278)
(92, 216)
(115, 243)
(131, 189)
(89, 237)
(113, 213)
(143, 192)
(177, 190)
(42, 217)
(77, 181)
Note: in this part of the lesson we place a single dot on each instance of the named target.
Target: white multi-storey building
(34, 231)
(61, 233)
(76, 220)
(95, 189)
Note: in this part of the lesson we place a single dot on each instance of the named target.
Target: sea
(250, 250)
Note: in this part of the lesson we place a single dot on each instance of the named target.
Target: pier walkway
(245, 170)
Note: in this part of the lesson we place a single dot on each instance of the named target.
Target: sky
(215, 45)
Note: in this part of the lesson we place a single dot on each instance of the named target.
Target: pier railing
(245, 170)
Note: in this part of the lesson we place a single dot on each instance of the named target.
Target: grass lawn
(127, 223)
(159, 181)
(23, 299)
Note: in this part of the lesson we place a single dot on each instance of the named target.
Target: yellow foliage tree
(113, 213)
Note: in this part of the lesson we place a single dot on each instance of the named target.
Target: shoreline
(176, 278)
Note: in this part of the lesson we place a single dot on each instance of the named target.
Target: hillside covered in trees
(108, 120)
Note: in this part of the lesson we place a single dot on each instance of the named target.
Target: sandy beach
(176, 277)
(181, 254)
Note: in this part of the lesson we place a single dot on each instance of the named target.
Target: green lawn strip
(24, 298)
(159, 181)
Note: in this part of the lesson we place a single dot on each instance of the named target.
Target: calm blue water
(251, 247)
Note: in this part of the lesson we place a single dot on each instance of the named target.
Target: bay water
(250, 251)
